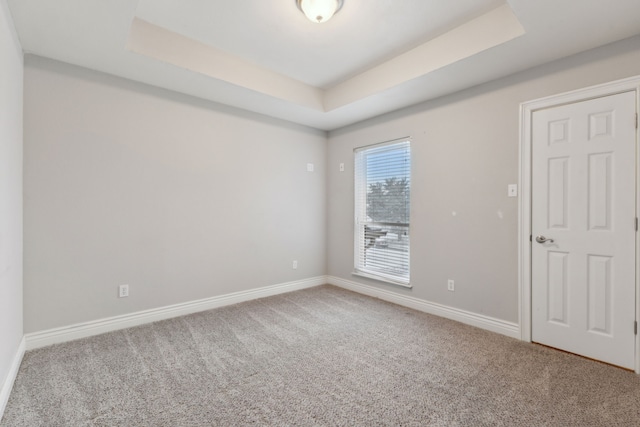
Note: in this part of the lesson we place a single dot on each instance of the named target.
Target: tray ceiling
(265, 56)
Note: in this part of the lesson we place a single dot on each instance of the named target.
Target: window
(382, 200)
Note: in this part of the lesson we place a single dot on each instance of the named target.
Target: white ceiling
(374, 56)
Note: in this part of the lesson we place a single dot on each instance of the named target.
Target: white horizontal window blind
(382, 205)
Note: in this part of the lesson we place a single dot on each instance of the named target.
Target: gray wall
(10, 193)
(179, 198)
(465, 153)
(184, 199)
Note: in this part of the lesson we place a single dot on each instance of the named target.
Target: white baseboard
(96, 327)
(7, 386)
(484, 322)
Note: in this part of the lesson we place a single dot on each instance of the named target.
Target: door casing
(524, 208)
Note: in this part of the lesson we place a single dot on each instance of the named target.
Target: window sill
(382, 279)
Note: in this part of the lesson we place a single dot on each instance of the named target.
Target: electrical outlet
(450, 285)
(123, 291)
(310, 167)
(295, 264)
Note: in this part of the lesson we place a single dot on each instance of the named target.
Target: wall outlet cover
(123, 291)
(451, 285)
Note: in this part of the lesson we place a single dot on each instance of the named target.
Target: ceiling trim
(167, 46)
(477, 35)
(489, 30)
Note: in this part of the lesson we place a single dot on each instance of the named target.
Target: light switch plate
(512, 190)
(309, 167)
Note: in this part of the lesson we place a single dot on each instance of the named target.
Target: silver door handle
(542, 239)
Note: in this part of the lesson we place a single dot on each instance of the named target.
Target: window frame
(359, 225)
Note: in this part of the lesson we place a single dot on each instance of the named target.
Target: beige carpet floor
(318, 357)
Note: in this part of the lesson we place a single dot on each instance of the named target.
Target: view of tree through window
(383, 177)
(388, 201)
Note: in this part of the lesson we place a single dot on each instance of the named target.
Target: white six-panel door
(583, 202)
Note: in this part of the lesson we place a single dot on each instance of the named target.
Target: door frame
(631, 84)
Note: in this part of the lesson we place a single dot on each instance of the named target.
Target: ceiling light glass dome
(319, 11)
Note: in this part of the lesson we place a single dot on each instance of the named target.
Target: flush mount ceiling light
(319, 11)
